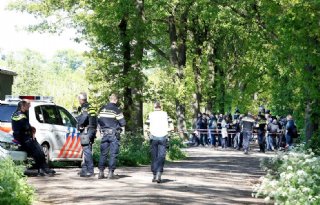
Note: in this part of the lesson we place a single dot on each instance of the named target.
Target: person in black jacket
(290, 129)
(24, 134)
(111, 121)
(262, 122)
(87, 125)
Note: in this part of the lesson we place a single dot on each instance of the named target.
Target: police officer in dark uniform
(87, 125)
(262, 122)
(24, 134)
(110, 120)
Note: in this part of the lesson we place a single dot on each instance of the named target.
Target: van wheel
(45, 149)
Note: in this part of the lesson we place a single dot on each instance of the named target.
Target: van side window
(67, 119)
(39, 114)
(51, 115)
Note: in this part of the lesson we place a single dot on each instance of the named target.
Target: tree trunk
(126, 52)
(308, 122)
(136, 92)
(211, 67)
(219, 86)
(178, 60)
(197, 95)
(312, 105)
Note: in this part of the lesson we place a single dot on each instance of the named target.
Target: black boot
(158, 177)
(101, 174)
(49, 171)
(41, 173)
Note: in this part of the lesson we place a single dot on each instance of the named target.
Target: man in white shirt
(158, 126)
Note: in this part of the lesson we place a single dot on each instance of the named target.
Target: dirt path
(207, 176)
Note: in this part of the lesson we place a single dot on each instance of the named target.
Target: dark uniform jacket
(290, 127)
(262, 122)
(21, 127)
(87, 118)
(111, 117)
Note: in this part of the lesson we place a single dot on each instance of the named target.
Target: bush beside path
(207, 176)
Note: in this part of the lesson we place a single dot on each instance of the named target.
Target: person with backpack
(291, 131)
(273, 130)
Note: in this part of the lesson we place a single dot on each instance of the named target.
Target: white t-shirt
(158, 123)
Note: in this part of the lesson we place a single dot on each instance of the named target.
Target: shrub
(14, 189)
(292, 178)
(174, 151)
(314, 144)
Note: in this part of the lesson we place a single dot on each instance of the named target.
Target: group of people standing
(110, 121)
(237, 131)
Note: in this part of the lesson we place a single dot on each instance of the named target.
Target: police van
(55, 128)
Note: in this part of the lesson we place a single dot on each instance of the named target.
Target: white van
(55, 127)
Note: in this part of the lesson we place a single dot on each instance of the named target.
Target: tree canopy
(204, 55)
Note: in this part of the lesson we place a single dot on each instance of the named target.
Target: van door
(52, 130)
(72, 147)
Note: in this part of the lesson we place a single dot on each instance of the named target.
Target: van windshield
(6, 111)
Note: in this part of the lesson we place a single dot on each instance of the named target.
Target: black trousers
(87, 166)
(109, 144)
(158, 154)
(34, 149)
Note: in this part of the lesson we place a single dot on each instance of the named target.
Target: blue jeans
(247, 135)
(203, 138)
(236, 140)
(270, 143)
(212, 137)
(224, 142)
(158, 155)
(288, 139)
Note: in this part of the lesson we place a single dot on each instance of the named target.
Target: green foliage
(14, 189)
(48, 77)
(314, 144)
(238, 53)
(175, 146)
(135, 150)
(292, 178)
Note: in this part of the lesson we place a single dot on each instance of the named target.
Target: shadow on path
(206, 177)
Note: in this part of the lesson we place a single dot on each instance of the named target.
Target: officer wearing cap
(23, 133)
(111, 121)
(158, 125)
(87, 125)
